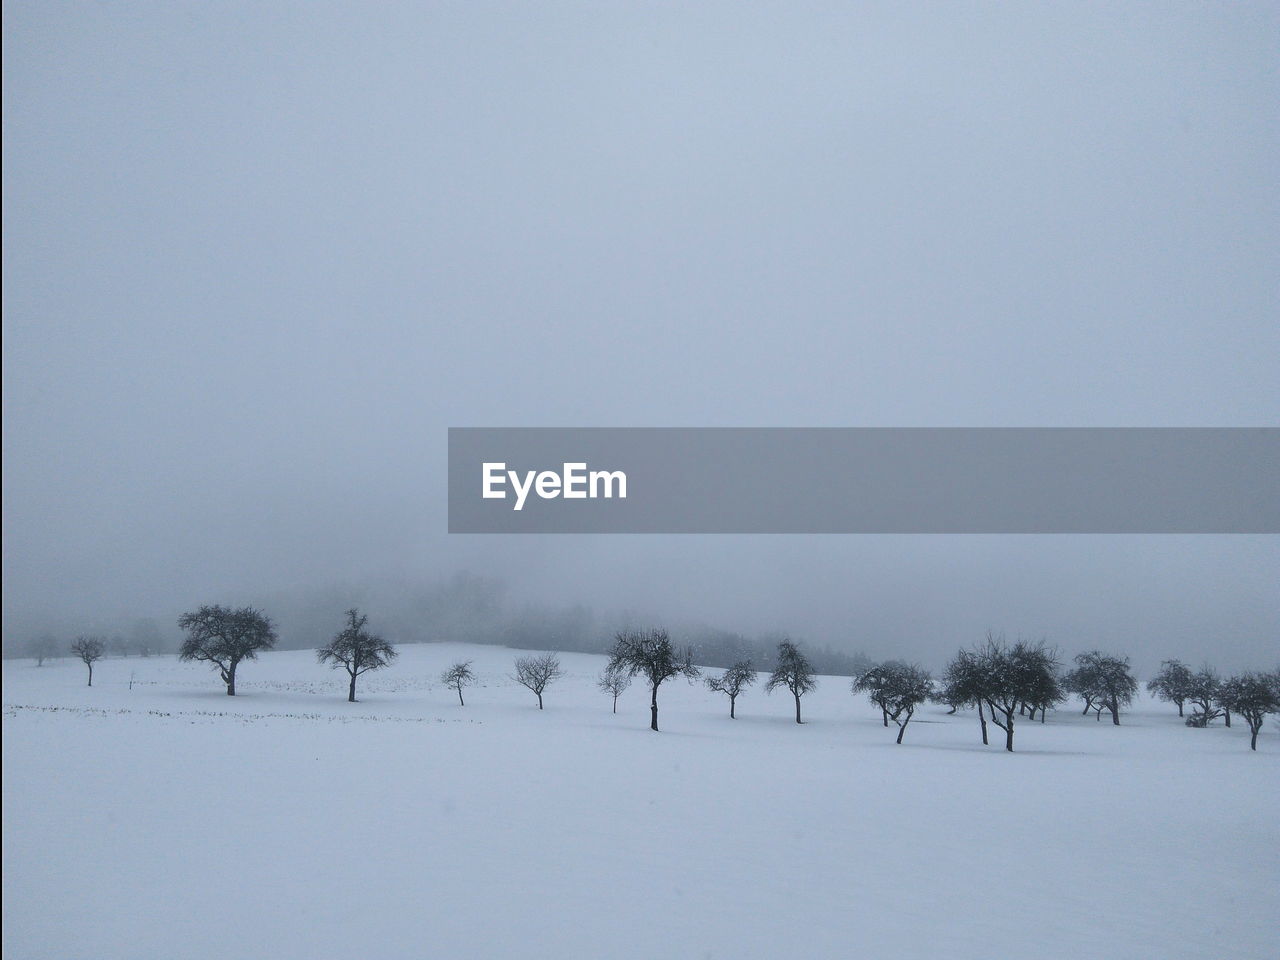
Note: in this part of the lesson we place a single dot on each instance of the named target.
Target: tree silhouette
(1172, 684)
(897, 688)
(1253, 696)
(649, 653)
(89, 650)
(732, 682)
(458, 676)
(537, 673)
(793, 672)
(223, 637)
(613, 680)
(357, 650)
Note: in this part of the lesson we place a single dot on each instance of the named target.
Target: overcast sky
(258, 257)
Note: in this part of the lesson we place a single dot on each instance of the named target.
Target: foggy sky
(258, 257)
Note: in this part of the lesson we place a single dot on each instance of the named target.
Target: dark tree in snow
(1202, 694)
(1172, 684)
(537, 673)
(793, 672)
(650, 653)
(1103, 682)
(1076, 682)
(732, 682)
(874, 682)
(1006, 677)
(224, 637)
(356, 650)
(42, 648)
(89, 650)
(962, 686)
(1252, 696)
(1007, 681)
(613, 680)
(1047, 688)
(458, 676)
(897, 688)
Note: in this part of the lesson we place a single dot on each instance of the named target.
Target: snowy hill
(152, 810)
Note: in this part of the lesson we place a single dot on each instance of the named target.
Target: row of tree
(1005, 681)
(1212, 697)
(1002, 681)
(651, 654)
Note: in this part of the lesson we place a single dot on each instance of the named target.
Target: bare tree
(1076, 682)
(458, 676)
(89, 650)
(42, 648)
(1253, 696)
(1007, 677)
(1224, 704)
(613, 680)
(356, 650)
(793, 672)
(1202, 694)
(875, 682)
(734, 680)
(223, 637)
(1046, 688)
(897, 688)
(1004, 683)
(1172, 684)
(651, 654)
(1104, 682)
(962, 686)
(537, 673)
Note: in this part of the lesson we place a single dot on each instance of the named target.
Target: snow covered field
(171, 821)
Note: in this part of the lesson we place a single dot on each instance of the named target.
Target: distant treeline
(465, 608)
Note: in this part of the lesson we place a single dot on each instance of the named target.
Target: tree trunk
(231, 679)
(1179, 708)
(732, 700)
(653, 707)
(1226, 715)
(1008, 735)
(982, 719)
(461, 702)
(351, 690)
(884, 716)
(615, 703)
(902, 727)
(91, 674)
(539, 701)
(797, 696)
(1114, 707)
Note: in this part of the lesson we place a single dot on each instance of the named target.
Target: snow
(169, 820)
